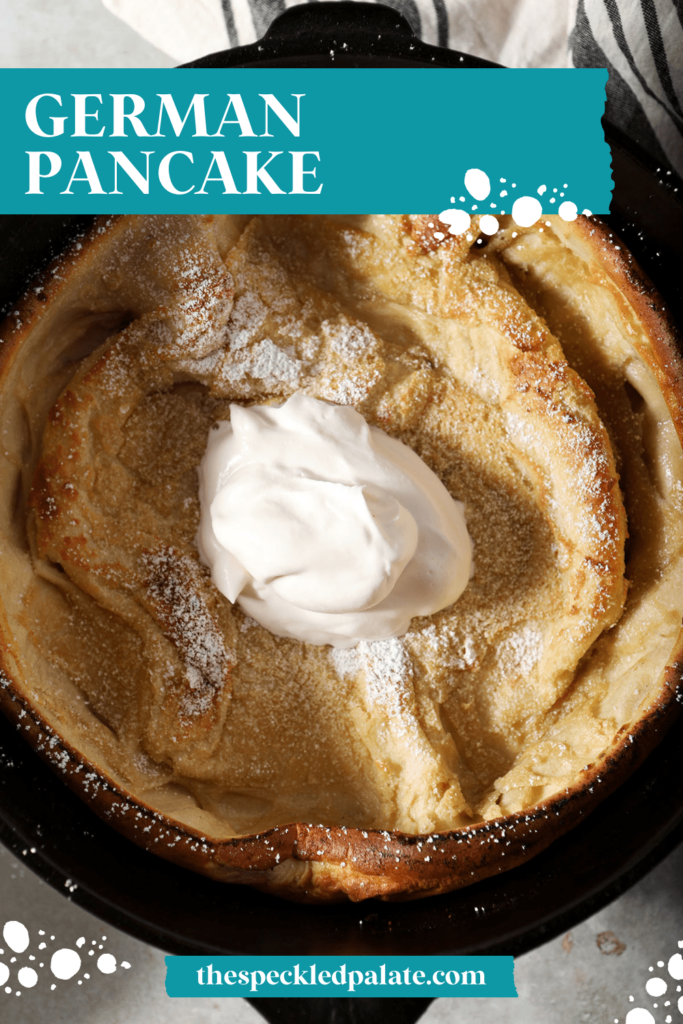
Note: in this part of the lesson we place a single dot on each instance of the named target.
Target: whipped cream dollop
(325, 529)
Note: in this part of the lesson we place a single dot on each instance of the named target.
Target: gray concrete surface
(127, 996)
(585, 977)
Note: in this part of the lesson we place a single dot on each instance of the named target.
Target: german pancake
(533, 373)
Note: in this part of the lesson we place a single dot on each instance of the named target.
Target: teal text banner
(339, 977)
(312, 140)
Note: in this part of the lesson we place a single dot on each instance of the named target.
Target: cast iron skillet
(185, 913)
(341, 34)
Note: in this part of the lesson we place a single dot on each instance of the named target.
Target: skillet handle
(341, 21)
(341, 33)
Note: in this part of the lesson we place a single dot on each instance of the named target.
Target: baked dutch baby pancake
(535, 376)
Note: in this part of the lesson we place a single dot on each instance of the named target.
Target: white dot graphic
(458, 221)
(526, 210)
(676, 966)
(106, 963)
(27, 977)
(680, 1005)
(4, 973)
(568, 211)
(15, 935)
(655, 987)
(542, 189)
(477, 183)
(639, 1016)
(65, 963)
(488, 224)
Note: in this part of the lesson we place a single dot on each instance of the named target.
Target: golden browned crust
(322, 863)
(311, 863)
(663, 352)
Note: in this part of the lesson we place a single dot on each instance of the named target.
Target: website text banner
(311, 140)
(332, 976)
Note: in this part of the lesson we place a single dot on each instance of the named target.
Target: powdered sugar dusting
(351, 389)
(348, 340)
(450, 649)
(595, 514)
(247, 624)
(264, 362)
(347, 661)
(204, 298)
(522, 650)
(175, 594)
(388, 669)
(248, 313)
(385, 664)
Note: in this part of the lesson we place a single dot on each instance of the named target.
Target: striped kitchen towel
(641, 44)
